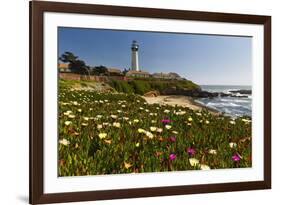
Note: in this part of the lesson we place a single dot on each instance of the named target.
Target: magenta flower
(172, 139)
(191, 151)
(236, 158)
(172, 157)
(166, 121)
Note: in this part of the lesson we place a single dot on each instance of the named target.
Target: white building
(135, 57)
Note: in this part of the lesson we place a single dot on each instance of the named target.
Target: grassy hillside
(143, 85)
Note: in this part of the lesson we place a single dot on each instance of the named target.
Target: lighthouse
(135, 57)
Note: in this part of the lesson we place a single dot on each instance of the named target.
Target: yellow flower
(137, 144)
(127, 165)
(136, 120)
(168, 127)
(190, 119)
(140, 130)
(67, 123)
(153, 129)
(193, 162)
(204, 167)
(102, 135)
(207, 122)
(117, 124)
(64, 142)
(84, 124)
(86, 118)
(79, 110)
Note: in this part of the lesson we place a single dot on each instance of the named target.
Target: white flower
(99, 126)
(246, 120)
(117, 124)
(141, 108)
(153, 121)
(193, 162)
(137, 144)
(113, 116)
(123, 106)
(175, 132)
(168, 127)
(67, 122)
(190, 119)
(125, 118)
(79, 110)
(75, 103)
(67, 112)
(86, 118)
(153, 129)
(91, 109)
(105, 100)
(102, 135)
(136, 120)
(199, 113)
(146, 110)
(232, 122)
(232, 145)
(149, 134)
(207, 122)
(204, 167)
(213, 151)
(99, 116)
(101, 101)
(105, 123)
(71, 116)
(166, 111)
(64, 142)
(159, 130)
(84, 124)
(119, 111)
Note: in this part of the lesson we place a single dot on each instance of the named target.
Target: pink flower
(172, 139)
(166, 121)
(236, 158)
(191, 151)
(172, 157)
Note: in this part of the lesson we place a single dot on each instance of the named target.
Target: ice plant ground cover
(113, 133)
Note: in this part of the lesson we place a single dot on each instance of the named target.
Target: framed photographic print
(139, 102)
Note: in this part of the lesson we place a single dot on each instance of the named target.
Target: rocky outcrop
(200, 93)
(244, 92)
(153, 93)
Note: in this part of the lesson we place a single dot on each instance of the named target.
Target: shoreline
(179, 100)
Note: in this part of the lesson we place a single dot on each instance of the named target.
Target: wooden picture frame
(37, 9)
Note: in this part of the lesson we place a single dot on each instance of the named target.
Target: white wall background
(14, 100)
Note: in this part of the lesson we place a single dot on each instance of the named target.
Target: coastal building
(64, 67)
(114, 71)
(135, 57)
(139, 74)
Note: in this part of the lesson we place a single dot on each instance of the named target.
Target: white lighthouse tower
(135, 57)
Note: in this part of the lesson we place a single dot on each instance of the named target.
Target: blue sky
(204, 59)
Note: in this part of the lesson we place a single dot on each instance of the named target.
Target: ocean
(231, 106)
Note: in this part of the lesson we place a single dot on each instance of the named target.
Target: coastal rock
(245, 92)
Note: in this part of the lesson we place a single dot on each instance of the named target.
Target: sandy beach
(178, 100)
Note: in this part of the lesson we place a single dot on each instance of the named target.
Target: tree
(100, 70)
(75, 65)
